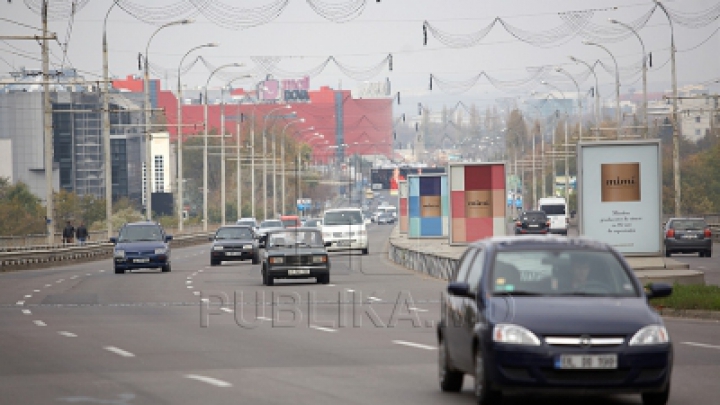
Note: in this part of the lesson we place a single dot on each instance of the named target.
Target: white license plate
(298, 272)
(533, 226)
(247, 247)
(586, 361)
(141, 261)
(343, 243)
(689, 236)
(233, 253)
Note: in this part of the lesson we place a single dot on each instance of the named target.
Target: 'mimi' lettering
(620, 182)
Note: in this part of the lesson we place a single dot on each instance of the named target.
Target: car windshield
(688, 225)
(246, 222)
(343, 218)
(234, 233)
(553, 209)
(274, 223)
(140, 233)
(295, 238)
(560, 273)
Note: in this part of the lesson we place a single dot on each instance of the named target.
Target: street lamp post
(265, 190)
(579, 103)
(567, 173)
(644, 71)
(282, 147)
(180, 199)
(597, 96)
(205, 145)
(148, 135)
(617, 85)
(105, 88)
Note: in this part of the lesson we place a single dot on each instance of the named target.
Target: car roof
(343, 209)
(294, 229)
(143, 223)
(236, 226)
(534, 212)
(545, 241)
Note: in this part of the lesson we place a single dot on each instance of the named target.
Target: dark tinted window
(272, 223)
(140, 233)
(536, 216)
(343, 218)
(234, 233)
(553, 209)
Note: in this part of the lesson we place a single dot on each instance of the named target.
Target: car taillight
(708, 233)
(670, 233)
(518, 223)
(547, 224)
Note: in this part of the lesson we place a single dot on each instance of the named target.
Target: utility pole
(47, 128)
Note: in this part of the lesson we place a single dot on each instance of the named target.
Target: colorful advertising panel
(427, 206)
(620, 195)
(478, 194)
(403, 205)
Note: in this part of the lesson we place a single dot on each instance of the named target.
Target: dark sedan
(294, 253)
(234, 242)
(532, 223)
(688, 235)
(141, 245)
(385, 218)
(551, 314)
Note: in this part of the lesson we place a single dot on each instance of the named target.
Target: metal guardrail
(47, 256)
(433, 265)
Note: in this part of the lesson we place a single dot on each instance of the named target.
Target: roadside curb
(689, 313)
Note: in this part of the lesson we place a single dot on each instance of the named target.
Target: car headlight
(218, 247)
(362, 233)
(319, 259)
(514, 334)
(119, 254)
(247, 246)
(650, 335)
(160, 251)
(277, 260)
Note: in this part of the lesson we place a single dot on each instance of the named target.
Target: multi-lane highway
(83, 335)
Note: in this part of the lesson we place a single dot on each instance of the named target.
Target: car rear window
(688, 224)
(534, 216)
(553, 209)
(234, 233)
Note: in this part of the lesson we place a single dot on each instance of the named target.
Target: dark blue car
(141, 245)
(556, 315)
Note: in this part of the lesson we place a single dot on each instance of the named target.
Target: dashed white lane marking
(73, 277)
(119, 352)
(331, 285)
(196, 292)
(36, 290)
(349, 290)
(374, 299)
(26, 312)
(101, 271)
(39, 323)
(88, 274)
(228, 310)
(48, 285)
(263, 318)
(199, 271)
(204, 299)
(189, 277)
(20, 303)
(188, 281)
(209, 380)
(701, 345)
(415, 345)
(67, 334)
(28, 296)
(417, 309)
(190, 287)
(323, 329)
(60, 281)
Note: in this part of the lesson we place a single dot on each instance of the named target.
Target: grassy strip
(702, 297)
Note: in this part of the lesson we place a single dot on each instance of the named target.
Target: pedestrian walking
(81, 233)
(68, 233)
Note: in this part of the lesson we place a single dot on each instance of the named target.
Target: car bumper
(144, 262)
(232, 256)
(345, 244)
(519, 231)
(687, 245)
(534, 369)
(298, 271)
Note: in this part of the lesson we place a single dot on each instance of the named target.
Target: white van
(345, 229)
(556, 210)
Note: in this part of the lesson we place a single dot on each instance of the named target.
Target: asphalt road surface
(83, 335)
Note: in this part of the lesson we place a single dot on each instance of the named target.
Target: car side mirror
(658, 290)
(460, 290)
(211, 238)
(328, 244)
(113, 240)
(168, 238)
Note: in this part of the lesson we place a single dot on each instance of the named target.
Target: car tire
(667, 253)
(483, 394)
(708, 253)
(269, 281)
(701, 254)
(214, 262)
(451, 380)
(166, 268)
(366, 251)
(119, 271)
(325, 279)
(656, 398)
(256, 259)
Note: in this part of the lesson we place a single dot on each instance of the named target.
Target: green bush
(703, 297)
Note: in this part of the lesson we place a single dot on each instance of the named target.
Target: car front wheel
(450, 380)
(483, 394)
(656, 398)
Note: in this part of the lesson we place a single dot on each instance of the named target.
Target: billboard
(427, 205)
(478, 198)
(403, 205)
(620, 195)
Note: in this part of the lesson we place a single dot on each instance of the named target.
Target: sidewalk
(647, 269)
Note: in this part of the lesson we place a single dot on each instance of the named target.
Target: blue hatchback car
(555, 315)
(141, 245)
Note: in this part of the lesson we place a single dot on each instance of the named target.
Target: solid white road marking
(196, 292)
(323, 329)
(416, 345)
(262, 318)
(26, 312)
(20, 303)
(701, 345)
(417, 309)
(39, 323)
(118, 351)
(209, 380)
(227, 310)
(67, 334)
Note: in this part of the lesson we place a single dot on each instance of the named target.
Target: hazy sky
(300, 39)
